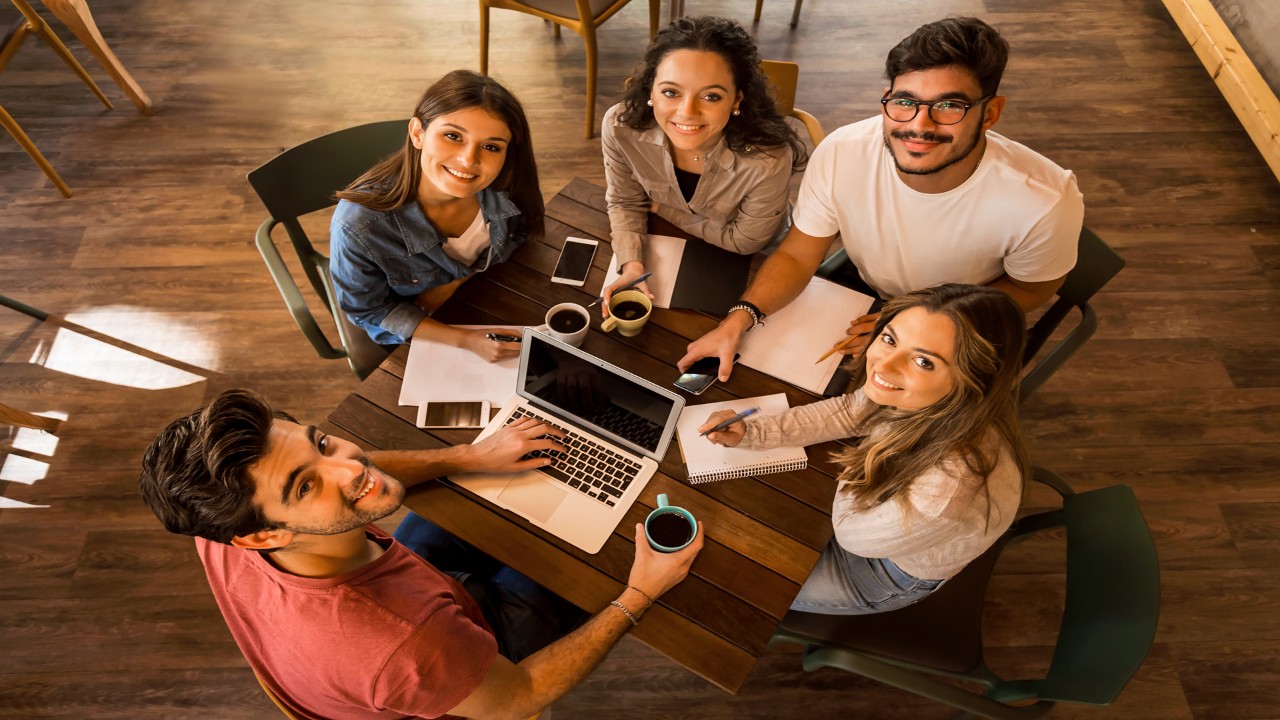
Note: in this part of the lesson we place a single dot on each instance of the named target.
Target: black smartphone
(701, 375)
(575, 261)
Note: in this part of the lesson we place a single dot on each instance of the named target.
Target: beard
(358, 517)
(962, 149)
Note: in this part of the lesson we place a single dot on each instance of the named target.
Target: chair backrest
(1096, 264)
(1113, 598)
(784, 77)
(304, 178)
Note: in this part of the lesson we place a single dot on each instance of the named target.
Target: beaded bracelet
(625, 611)
(757, 316)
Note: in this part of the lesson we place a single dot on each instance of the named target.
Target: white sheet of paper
(662, 254)
(790, 340)
(436, 372)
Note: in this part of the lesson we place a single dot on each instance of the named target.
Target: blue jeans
(525, 616)
(846, 584)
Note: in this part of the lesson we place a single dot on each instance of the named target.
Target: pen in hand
(838, 346)
(499, 337)
(722, 425)
(628, 286)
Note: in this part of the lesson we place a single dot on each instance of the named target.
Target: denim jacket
(382, 260)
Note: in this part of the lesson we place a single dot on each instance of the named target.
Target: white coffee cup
(572, 321)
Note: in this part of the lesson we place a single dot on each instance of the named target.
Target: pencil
(839, 346)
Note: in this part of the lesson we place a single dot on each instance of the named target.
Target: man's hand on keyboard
(503, 451)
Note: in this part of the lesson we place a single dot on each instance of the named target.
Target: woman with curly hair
(698, 142)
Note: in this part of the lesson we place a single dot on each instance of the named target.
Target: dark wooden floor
(102, 614)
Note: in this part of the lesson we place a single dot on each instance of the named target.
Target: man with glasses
(922, 194)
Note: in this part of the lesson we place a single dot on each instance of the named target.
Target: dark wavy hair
(394, 181)
(965, 41)
(758, 124)
(990, 333)
(195, 474)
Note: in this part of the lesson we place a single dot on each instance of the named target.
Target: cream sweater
(948, 516)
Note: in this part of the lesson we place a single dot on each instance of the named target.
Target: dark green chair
(302, 180)
(1112, 603)
(1096, 264)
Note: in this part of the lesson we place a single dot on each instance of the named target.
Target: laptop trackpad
(535, 499)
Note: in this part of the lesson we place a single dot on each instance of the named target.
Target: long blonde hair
(990, 332)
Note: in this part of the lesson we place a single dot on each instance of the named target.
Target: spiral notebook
(707, 461)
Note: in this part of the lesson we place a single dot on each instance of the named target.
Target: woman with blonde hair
(937, 473)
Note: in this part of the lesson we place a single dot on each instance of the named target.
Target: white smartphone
(436, 415)
(575, 261)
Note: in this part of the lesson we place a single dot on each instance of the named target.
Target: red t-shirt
(396, 638)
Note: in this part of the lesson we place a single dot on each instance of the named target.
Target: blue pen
(628, 286)
(732, 420)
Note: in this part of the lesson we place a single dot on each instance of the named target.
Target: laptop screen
(598, 395)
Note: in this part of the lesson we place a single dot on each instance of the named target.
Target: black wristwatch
(757, 317)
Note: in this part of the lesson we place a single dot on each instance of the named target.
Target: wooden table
(763, 535)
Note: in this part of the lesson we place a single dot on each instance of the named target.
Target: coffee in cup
(628, 311)
(669, 528)
(568, 323)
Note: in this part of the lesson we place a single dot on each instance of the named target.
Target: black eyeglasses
(942, 112)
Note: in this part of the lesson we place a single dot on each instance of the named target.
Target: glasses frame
(884, 107)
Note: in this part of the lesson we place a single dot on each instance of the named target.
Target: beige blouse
(948, 516)
(739, 205)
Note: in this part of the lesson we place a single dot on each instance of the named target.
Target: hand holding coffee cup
(654, 572)
(629, 310)
(631, 275)
(670, 528)
(568, 323)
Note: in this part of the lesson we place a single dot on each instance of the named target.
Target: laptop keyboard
(588, 467)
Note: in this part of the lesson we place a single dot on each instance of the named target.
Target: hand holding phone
(700, 375)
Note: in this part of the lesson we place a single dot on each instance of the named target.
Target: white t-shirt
(466, 248)
(1019, 213)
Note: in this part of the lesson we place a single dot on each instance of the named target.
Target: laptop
(619, 426)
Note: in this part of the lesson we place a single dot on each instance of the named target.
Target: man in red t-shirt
(339, 619)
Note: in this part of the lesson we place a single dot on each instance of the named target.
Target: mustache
(926, 137)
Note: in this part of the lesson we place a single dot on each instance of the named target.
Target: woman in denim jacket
(461, 196)
(698, 142)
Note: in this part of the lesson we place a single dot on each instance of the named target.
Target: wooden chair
(76, 16)
(32, 24)
(784, 77)
(580, 16)
(1109, 622)
(302, 180)
(795, 13)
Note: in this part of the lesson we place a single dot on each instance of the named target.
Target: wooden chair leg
(759, 6)
(655, 12)
(52, 40)
(76, 16)
(589, 37)
(795, 14)
(484, 38)
(15, 130)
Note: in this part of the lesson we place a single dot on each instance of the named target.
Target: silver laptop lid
(597, 395)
